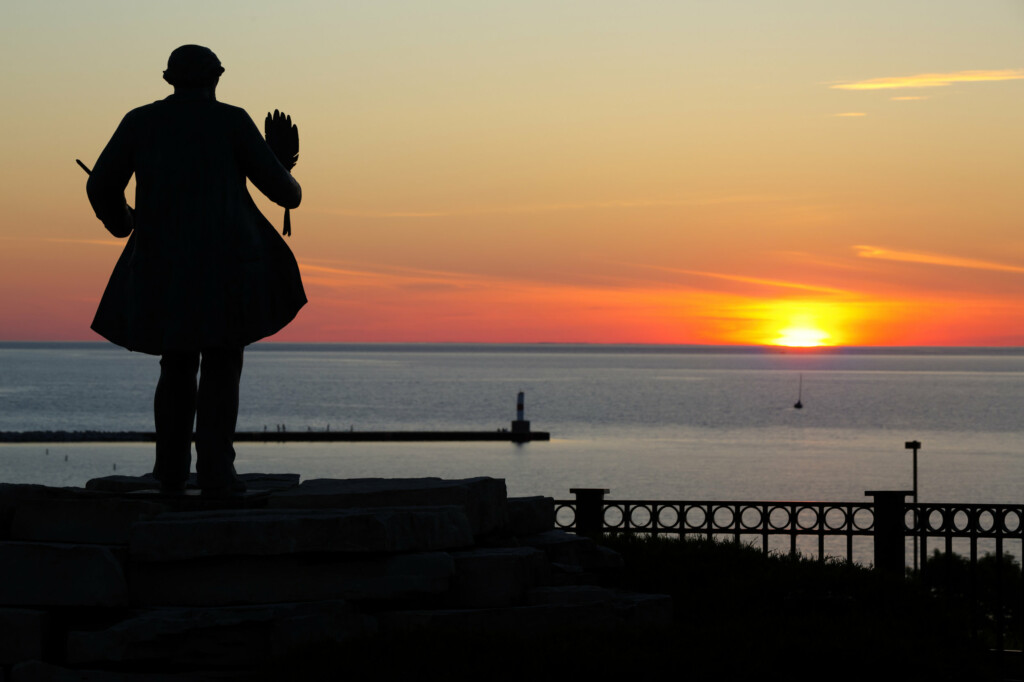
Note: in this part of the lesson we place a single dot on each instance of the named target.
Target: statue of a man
(203, 273)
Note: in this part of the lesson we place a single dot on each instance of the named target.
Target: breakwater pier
(518, 432)
(506, 435)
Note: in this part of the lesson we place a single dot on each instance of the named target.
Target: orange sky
(710, 173)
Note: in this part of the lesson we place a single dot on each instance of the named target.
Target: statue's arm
(262, 167)
(109, 177)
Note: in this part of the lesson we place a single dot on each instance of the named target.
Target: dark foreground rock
(482, 500)
(193, 535)
(219, 637)
(120, 582)
(50, 574)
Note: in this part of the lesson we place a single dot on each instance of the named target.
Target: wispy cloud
(864, 251)
(94, 242)
(61, 240)
(932, 80)
(908, 98)
(392, 275)
(851, 114)
(395, 214)
(550, 208)
(743, 279)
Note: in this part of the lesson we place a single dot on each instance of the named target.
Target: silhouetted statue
(203, 273)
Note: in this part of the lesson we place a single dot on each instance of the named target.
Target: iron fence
(739, 520)
(887, 523)
(997, 523)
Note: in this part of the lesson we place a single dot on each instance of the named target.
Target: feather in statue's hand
(283, 139)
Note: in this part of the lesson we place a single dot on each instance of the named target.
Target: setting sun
(801, 324)
(802, 337)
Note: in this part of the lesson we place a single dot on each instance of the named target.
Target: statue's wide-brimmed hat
(193, 66)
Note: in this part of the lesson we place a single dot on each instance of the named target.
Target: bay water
(646, 422)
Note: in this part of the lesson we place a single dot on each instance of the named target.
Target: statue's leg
(174, 408)
(216, 415)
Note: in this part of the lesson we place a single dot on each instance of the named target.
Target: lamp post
(915, 446)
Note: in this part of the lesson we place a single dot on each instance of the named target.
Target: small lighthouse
(520, 425)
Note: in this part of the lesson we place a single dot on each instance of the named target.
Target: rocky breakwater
(117, 581)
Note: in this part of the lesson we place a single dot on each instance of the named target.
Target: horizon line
(821, 349)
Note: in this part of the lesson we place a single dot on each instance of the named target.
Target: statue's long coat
(203, 267)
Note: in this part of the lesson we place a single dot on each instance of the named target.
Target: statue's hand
(283, 138)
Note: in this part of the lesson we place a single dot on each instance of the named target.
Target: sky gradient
(724, 172)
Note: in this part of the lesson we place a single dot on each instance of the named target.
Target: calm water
(655, 423)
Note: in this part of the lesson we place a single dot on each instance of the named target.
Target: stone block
(38, 671)
(530, 515)
(100, 520)
(122, 484)
(217, 637)
(129, 484)
(455, 622)
(188, 535)
(644, 610)
(631, 608)
(570, 594)
(562, 548)
(486, 578)
(270, 481)
(13, 495)
(603, 615)
(575, 551)
(22, 632)
(264, 580)
(604, 560)
(483, 499)
(45, 574)
(193, 499)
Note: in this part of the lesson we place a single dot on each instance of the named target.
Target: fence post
(589, 510)
(890, 530)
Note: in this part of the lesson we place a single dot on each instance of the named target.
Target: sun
(802, 337)
(797, 324)
(803, 325)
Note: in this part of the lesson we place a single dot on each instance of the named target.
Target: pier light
(520, 425)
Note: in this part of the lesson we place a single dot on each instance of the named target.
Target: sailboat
(800, 394)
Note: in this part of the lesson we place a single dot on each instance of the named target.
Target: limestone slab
(22, 632)
(263, 580)
(631, 608)
(617, 612)
(486, 578)
(188, 535)
(227, 636)
(128, 484)
(258, 481)
(13, 495)
(572, 594)
(530, 515)
(49, 574)
(122, 484)
(483, 499)
(38, 671)
(98, 520)
(575, 551)
(193, 499)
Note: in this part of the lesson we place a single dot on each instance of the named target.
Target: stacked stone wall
(117, 581)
